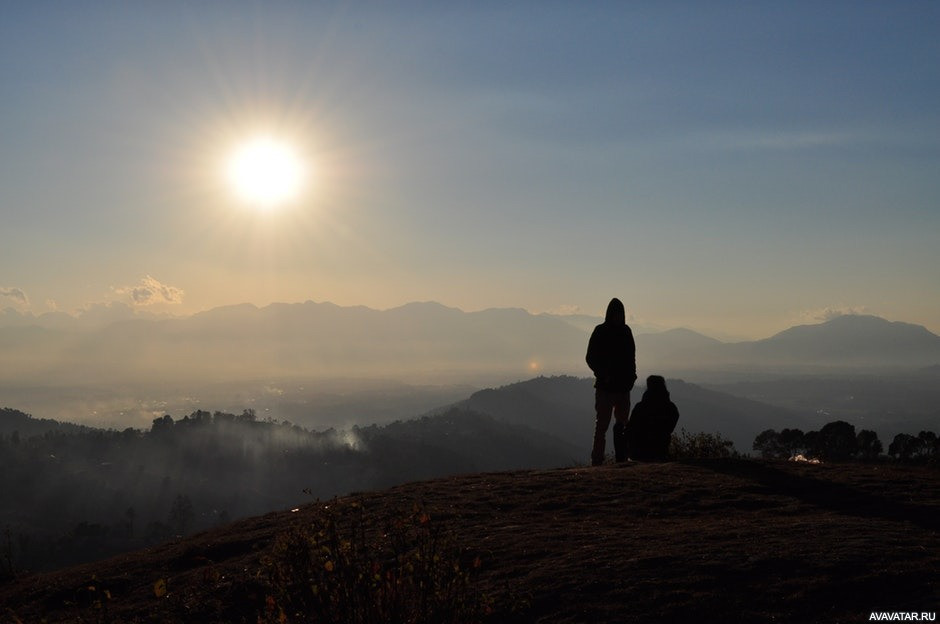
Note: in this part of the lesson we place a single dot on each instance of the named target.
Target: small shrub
(343, 567)
(685, 445)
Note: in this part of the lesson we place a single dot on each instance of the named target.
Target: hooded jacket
(611, 353)
(652, 422)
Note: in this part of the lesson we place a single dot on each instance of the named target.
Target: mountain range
(415, 341)
(845, 342)
(418, 341)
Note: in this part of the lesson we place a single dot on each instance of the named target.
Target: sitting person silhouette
(652, 422)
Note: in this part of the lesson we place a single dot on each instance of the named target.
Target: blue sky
(735, 168)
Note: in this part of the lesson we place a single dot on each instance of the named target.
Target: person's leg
(603, 407)
(621, 414)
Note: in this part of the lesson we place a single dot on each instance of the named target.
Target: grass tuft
(345, 566)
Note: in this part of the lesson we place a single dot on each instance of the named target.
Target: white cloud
(565, 309)
(829, 313)
(16, 294)
(151, 291)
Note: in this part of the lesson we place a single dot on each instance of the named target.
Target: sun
(265, 172)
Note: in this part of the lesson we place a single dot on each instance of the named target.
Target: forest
(70, 494)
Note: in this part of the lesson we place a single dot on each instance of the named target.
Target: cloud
(565, 309)
(16, 294)
(829, 313)
(151, 291)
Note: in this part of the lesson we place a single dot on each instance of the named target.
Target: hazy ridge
(310, 362)
(426, 341)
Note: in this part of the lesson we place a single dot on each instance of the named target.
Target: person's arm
(593, 357)
(632, 346)
(673, 418)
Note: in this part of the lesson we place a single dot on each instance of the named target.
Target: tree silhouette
(769, 445)
(837, 441)
(929, 444)
(904, 446)
(793, 441)
(129, 515)
(783, 445)
(181, 515)
(162, 425)
(868, 445)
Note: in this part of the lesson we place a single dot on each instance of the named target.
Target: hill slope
(707, 542)
(564, 407)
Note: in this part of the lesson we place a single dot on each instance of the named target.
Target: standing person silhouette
(611, 355)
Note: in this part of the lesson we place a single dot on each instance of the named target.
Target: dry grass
(705, 541)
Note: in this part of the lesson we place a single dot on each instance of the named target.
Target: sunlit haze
(735, 169)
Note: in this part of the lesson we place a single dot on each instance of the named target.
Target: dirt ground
(706, 541)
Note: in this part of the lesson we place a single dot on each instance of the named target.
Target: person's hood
(615, 313)
(656, 389)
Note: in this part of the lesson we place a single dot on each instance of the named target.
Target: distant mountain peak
(856, 323)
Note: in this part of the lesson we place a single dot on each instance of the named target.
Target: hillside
(564, 407)
(710, 541)
(25, 425)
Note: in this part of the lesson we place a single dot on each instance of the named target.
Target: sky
(730, 167)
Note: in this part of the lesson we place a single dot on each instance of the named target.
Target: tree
(129, 515)
(904, 446)
(162, 425)
(769, 445)
(929, 443)
(793, 441)
(181, 515)
(868, 444)
(811, 442)
(783, 445)
(837, 441)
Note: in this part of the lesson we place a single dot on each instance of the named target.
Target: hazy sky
(735, 168)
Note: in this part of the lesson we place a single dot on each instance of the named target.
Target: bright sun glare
(265, 172)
